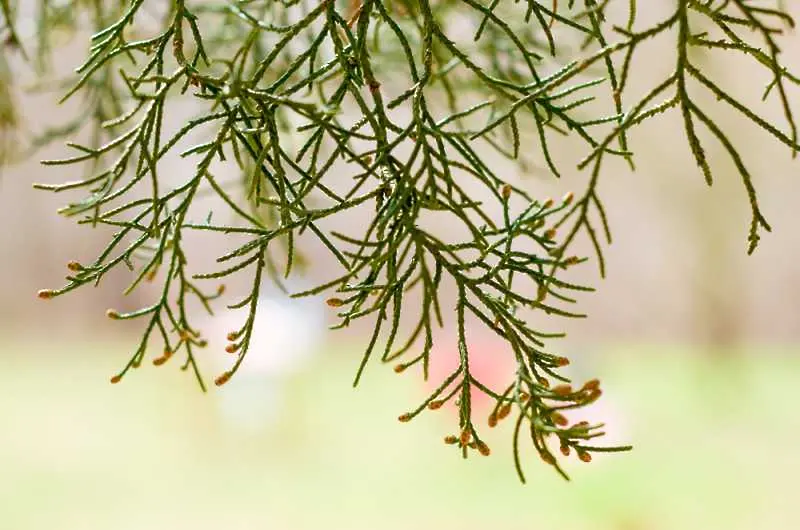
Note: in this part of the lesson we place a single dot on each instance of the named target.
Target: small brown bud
(585, 456)
(592, 384)
(151, 275)
(158, 361)
(505, 191)
(559, 419)
(222, 379)
(572, 260)
(568, 198)
(562, 390)
(334, 302)
(112, 314)
(544, 382)
(548, 203)
(550, 234)
(46, 294)
(232, 336)
(548, 458)
(492, 420)
(116, 379)
(231, 348)
(562, 361)
(484, 449)
(565, 450)
(450, 440)
(465, 436)
(404, 417)
(435, 405)
(400, 368)
(221, 289)
(504, 411)
(74, 266)
(523, 397)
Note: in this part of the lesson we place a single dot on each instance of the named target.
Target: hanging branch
(383, 109)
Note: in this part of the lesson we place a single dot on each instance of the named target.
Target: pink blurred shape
(491, 362)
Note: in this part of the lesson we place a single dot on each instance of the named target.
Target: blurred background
(697, 345)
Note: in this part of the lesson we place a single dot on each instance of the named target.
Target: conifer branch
(381, 109)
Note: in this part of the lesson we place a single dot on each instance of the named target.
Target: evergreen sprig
(380, 109)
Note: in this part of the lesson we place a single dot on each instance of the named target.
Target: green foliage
(381, 109)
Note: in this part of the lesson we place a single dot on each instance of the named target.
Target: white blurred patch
(287, 334)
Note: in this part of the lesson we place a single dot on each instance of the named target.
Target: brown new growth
(504, 411)
(553, 17)
(591, 385)
(436, 404)
(334, 302)
(559, 419)
(353, 12)
(465, 436)
(158, 361)
(562, 390)
(222, 379)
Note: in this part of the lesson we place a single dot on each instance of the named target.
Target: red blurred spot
(491, 362)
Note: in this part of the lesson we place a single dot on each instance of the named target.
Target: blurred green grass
(715, 447)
